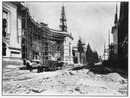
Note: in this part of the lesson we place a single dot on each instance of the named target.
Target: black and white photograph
(65, 48)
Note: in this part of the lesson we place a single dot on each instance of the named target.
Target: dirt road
(63, 82)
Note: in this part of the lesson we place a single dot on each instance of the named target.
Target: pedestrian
(40, 68)
(29, 64)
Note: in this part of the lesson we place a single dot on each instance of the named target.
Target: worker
(29, 64)
(40, 68)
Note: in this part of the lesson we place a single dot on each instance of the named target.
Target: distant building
(76, 55)
(120, 35)
(120, 32)
(79, 53)
(123, 31)
(115, 36)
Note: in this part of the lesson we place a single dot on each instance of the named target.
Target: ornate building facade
(11, 32)
(23, 38)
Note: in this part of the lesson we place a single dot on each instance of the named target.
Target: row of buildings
(23, 38)
(84, 55)
(119, 48)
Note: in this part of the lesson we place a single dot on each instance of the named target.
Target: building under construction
(37, 41)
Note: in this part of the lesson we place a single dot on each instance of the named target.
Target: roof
(42, 25)
(65, 34)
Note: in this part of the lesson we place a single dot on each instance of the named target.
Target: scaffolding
(39, 41)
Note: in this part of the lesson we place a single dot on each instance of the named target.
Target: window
(58, 48)
(4, 27)
(46, 53)
(4, 49)
(13, 52)
(5, 23)
(58, 42)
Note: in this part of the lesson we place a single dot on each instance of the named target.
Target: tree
(95, 57)
(91, 56)
(80, 46)
(88, 54)
(80, 50)
(89, 50)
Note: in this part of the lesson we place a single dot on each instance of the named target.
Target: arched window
(5, 23)
(4, 49)
(4, 27)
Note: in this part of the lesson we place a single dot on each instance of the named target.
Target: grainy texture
(63, 82)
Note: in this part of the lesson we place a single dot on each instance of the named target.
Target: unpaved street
(62, 82)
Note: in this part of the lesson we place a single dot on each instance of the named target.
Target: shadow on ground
(96, 69)
(46, 69)
(100, 69)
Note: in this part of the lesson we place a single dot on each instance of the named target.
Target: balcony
(7, 37)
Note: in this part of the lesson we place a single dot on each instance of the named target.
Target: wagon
(46, 65)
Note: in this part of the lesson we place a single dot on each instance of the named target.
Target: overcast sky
(89, 20)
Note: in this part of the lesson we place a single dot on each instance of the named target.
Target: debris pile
(63, 82)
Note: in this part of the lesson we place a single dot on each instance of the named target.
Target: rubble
(63, 82)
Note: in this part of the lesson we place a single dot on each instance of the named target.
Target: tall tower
(116, 16)
(109, 38)
(63, 23)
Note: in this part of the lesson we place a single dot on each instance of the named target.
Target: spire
(79, 37)
(63, 24)
(104, 49)
(88, 45)
(108, 38)
(104, 46)
(116, 16)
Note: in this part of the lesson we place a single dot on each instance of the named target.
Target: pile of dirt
(81, 81)
(112, 77)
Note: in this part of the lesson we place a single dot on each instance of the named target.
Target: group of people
(29, 65)
(52, 66)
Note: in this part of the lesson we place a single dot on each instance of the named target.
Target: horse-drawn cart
(45, 65)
